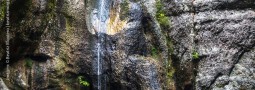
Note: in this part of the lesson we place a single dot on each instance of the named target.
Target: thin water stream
(102, 16)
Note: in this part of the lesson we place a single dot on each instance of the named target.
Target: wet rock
(21, 82)
(62, 32)
(224, 33)
(2, 85)
(127, 61)
(134, 56)
(144, 71)
(45, 30)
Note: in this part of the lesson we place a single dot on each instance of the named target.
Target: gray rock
(224, 34)
(224, 38)
(242, 75)
(2, 85)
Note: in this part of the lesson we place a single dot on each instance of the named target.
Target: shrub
(154, 52)
(161, 15)
(195, 55)
(2, 10)
(29, 63)
(124, 9)
(82, 81)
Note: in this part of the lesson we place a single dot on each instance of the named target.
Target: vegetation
(170, 68)
(51, 5)
(68, 25)
(51, 8)
(82, 81)
(195, 55)
(161, 15)
(124, 6)
(169, 44)
(29, 63)
(154, 52)
(170, 72)
(2, 10)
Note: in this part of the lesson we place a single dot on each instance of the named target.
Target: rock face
(126, 60)
(2, 85)
(55, 41)
(49, 45)
(141, 45)
(224, 38)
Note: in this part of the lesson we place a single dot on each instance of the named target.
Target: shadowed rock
(41, 57)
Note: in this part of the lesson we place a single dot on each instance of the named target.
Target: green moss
(2, 10)
(51, 9)
(220, 85)
(68, 25)
(169, 45)
(170, 73)
(170, 68)
(154, 52)
(51, 5)
(124, 9)
(59, 66)
(63, 57)
(82, 81)
(29, 63)
(161, 15)
(69, 22)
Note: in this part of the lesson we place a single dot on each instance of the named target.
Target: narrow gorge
(127, 45)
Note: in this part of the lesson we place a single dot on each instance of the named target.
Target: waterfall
(98, 66)
(102, 16)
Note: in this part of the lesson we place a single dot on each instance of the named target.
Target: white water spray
(101, 24)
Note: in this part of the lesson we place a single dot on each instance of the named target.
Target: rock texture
(147, 45)
(49, 45)
(2, 85)
(54, 42)
(127, 60)
(224, 39)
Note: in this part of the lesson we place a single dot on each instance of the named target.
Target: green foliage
(51, 8)
(51, 5)
(169, 45)
(170, 73)
(195, 55)
(82, 81)
(124, 9)
(161, 15)
(2, 9)
(29, 63)
(154, 52)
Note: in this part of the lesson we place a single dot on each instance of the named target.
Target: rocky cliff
(128, 44)
(221, 33)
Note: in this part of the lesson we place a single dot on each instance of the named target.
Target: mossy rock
(29, 63)
(124, 9)
(154, 52)
(2, 10)
(161, 15)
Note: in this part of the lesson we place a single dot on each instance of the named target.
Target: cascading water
(98, 65)
(102, 13)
